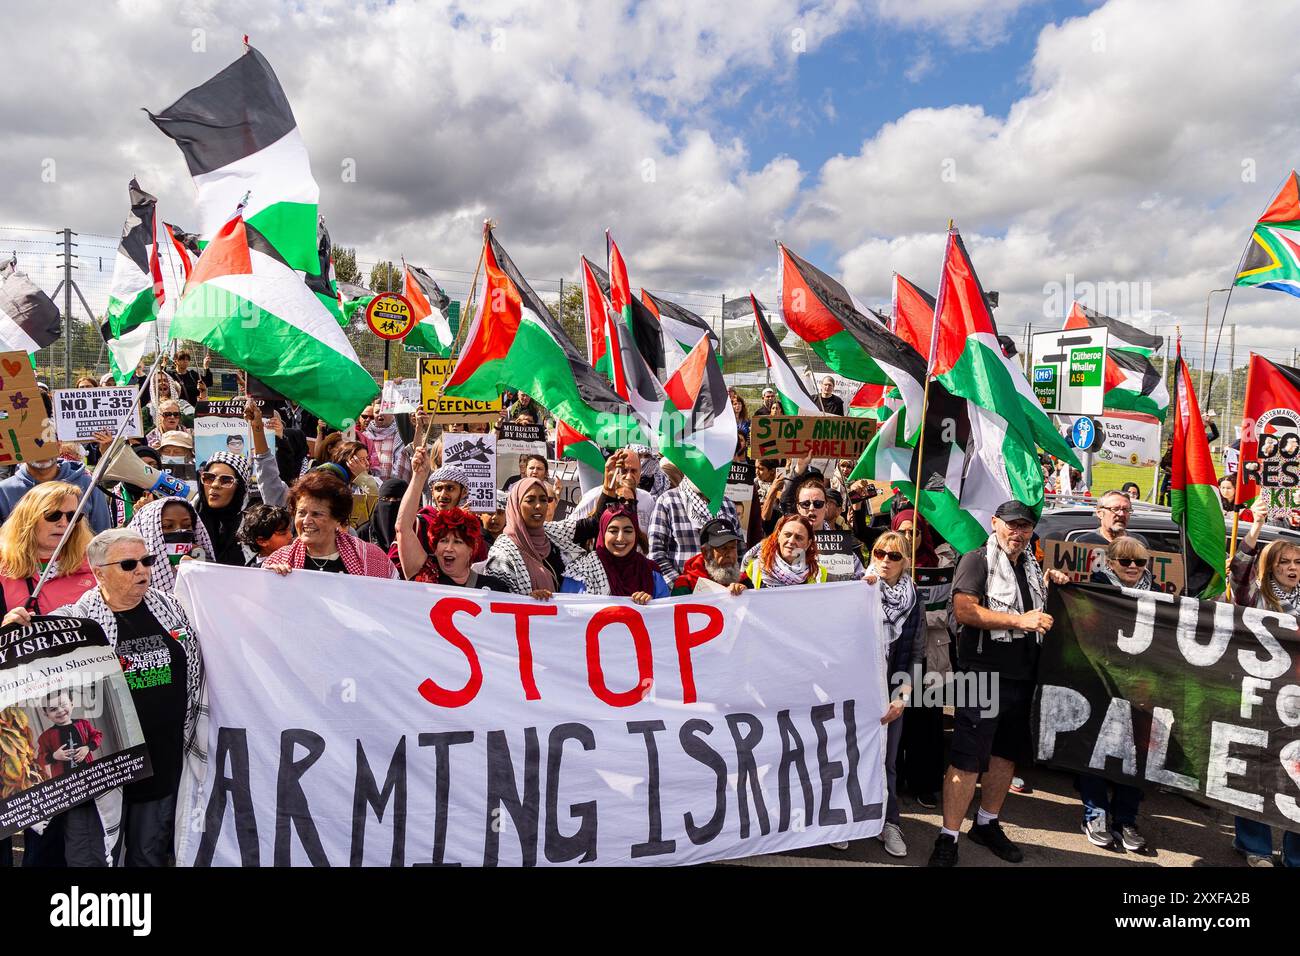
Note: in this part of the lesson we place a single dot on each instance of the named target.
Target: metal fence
(51, 256)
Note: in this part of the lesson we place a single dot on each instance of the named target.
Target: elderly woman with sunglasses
(1110, 809)
(159, 651)
(903, 621)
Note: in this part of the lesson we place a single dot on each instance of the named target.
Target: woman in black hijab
(222, 499)
(381, 529)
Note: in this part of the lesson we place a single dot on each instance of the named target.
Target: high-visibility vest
(754, 571)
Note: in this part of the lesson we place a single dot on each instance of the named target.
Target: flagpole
(100, 468)
(925, 402)
(1226, 302)
(1236, 491)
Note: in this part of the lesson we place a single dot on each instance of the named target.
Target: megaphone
(125, 465)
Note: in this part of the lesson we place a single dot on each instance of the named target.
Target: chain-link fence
(52, 256)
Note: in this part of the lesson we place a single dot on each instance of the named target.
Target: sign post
(1069, 370)
(390, 316)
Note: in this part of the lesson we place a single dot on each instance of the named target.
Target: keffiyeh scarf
(148, 524)
(1001, 590)
(1290, 600)
(784, 573)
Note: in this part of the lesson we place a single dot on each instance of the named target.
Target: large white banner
(357, 721)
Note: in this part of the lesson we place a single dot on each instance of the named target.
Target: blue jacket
(74, 473)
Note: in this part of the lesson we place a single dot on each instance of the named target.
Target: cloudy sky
(1123, 148)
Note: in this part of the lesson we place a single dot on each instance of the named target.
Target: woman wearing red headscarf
(616, 568)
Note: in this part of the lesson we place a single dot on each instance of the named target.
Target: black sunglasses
(53, 516)
(1129, 562)
(891, 555)
(128, 564)
(819, 503)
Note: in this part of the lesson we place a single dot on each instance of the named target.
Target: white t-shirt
(645, 506)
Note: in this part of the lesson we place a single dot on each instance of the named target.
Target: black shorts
(1005, 733)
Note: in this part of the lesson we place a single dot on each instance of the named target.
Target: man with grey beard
(718, 561)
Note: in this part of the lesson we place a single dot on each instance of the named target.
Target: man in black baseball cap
(998, 592)
(718, 560)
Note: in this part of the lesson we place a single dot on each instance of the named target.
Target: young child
(69, 743)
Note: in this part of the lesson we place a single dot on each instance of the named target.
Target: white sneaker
(1254, 860)
(892, 837)
(840, 845)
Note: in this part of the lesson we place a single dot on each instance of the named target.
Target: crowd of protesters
(378, 500)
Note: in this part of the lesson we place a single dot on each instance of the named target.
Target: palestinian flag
(873, 401)
(580, 448)
(596, 312)
(432, 332)
(246, 303)
(515, 343)
(353, 297)
(647, 334)
(1132, 382)
(969, 362)
(913, 315)
(963, 484)
(29, 319)
(1272, 260)
(826, 316)
(1194, 493)
(795, 398)
(680, 326)
(136, 291)
(1272, 407)
(240, 138)
(697, 431)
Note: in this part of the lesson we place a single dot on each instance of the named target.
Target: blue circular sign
(1082, 432)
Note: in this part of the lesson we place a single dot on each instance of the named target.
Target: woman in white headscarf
(171, 528)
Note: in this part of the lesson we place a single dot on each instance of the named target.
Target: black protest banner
(68, 728)
(1148, 688)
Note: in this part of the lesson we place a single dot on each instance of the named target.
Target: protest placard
(740, 491)
(477, 455)
(446, 408)
(1150, 689)
(495, 730)
(515, 445)
(220, 426)
(565, 474)
(25, 430)
(68, 728)
(400, 395)
(1078, 561)
(80, 412)
(824, 436)
(838, 552)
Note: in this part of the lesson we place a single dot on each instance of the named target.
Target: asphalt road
(1046, 826)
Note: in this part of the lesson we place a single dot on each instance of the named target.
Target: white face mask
(43, 465)
(173, 459)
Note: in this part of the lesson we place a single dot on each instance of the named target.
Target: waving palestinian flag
(353, 297)
(136, 291)
(825, 315)
(29, 319)
(1132, 382)
(604, 358)
(244, 301)
(515, 342)
(239, 138)
(795, 399)
(968, 360)
(697, 431)
(432, 332)
(1272, 259)
(681, 329)
(1194, 493)
(647, 334)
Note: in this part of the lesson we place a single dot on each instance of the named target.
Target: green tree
(386, 277)
(345, 264)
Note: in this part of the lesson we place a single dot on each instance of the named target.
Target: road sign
(1083, 433)
(1067, 370)
(389, 316)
